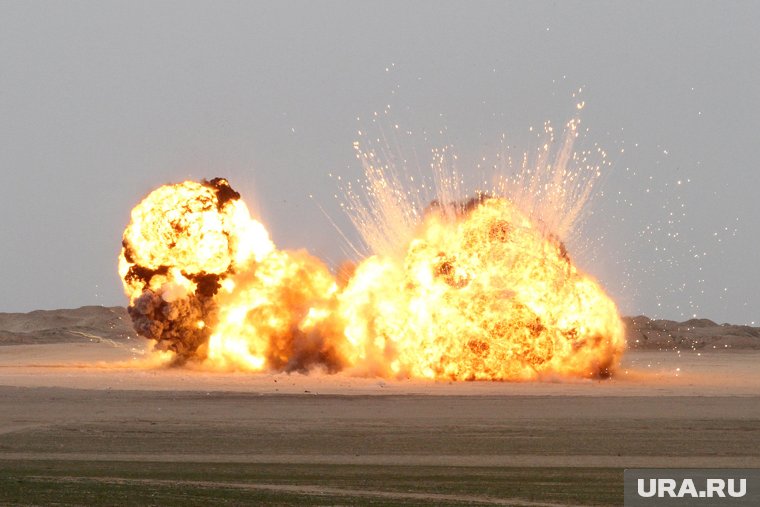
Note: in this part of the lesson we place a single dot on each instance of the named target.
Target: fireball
(206, 283)
(182, 241)
(483, 295)
(464, 290)
(277, 314)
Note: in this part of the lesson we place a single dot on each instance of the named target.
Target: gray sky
(100, 102)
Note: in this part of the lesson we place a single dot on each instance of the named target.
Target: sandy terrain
(695, 334)
(89, 414)
(124, 365)
(113, 323)
(64, 326)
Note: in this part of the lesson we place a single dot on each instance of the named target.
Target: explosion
(466, 290)
(482, 296)
(206, 283)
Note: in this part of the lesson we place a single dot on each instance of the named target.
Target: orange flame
(483, 296)
(473, 291)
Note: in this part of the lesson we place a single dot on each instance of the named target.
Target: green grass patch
(34, 482)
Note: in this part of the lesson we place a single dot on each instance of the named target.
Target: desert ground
(85, 420)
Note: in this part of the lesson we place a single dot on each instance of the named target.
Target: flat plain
(91, 422)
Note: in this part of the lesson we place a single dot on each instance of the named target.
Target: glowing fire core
(478, 291)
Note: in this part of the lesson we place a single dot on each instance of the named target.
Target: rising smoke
(172, 302)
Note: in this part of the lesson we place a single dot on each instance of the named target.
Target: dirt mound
(645, 333)
(88, 323)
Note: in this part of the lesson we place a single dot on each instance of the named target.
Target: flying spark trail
(465, 285)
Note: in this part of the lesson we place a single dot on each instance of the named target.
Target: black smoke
(178, 324)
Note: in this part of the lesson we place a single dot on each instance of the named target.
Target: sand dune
(65, 326)
(645, 333)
